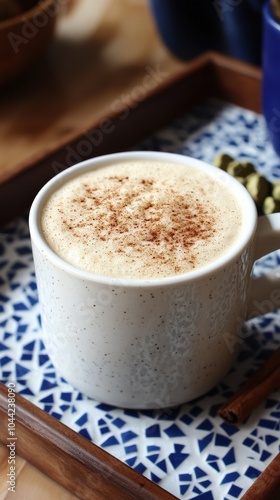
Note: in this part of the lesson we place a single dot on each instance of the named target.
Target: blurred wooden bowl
(25, 35)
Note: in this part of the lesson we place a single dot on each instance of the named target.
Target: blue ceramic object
(191, 27)
(271, 76)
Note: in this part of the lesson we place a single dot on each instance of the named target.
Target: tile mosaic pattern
(188, 450)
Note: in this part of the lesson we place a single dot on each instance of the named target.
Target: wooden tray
(71, 460)
(209, 75)
(65, 456)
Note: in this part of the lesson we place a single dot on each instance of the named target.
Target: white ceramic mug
(153, 343)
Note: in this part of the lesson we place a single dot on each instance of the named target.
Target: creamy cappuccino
(142, 219)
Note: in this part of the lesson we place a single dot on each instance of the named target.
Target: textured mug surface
(143, 343)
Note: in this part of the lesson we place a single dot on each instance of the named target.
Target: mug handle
(265, 290)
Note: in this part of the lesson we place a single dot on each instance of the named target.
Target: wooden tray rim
(208, 59)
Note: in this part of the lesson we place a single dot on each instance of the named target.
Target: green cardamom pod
(258, 187)
(240, 168)
(276, 191)
(270, 205)
(242, 180)
(222, 160)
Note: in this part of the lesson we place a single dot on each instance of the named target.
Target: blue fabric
(191, 27)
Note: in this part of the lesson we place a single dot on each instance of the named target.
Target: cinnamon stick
(258, 387)
(267, 486)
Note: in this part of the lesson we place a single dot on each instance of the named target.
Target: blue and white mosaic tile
(188, 450)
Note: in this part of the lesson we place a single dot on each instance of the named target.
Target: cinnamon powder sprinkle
(135, 223)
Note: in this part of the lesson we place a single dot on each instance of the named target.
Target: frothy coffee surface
(141, 220)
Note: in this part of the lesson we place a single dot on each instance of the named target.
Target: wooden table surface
(31, 484)
(118, 42)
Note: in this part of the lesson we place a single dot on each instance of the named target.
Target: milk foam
(142, 220)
